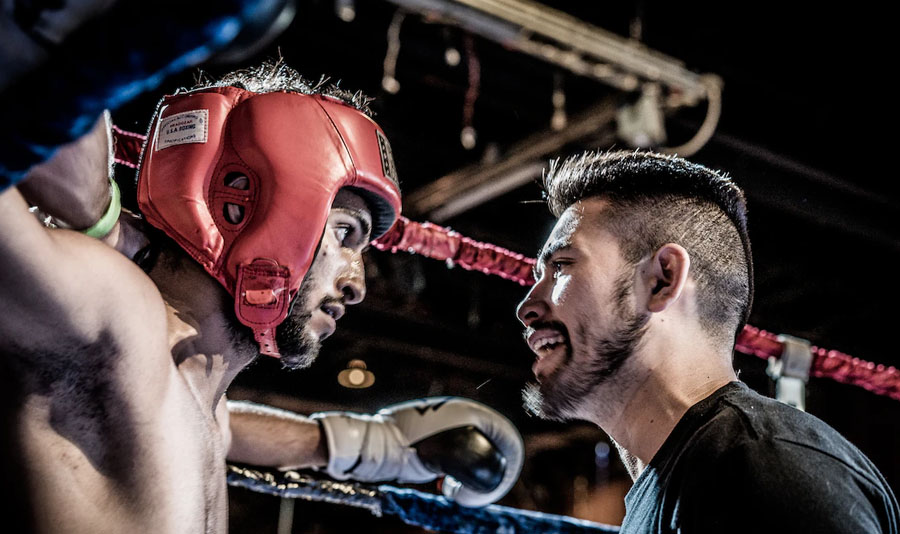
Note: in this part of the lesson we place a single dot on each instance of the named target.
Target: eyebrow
(548, 252)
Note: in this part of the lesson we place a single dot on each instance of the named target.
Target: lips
(324, 320)
(542, 340)
(549, 344)
(321, 324)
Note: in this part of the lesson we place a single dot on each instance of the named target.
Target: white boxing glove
(478, 449)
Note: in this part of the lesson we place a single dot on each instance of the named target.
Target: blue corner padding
(112, 59)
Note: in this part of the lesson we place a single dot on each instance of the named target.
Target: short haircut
(657, 199)
(274, 75)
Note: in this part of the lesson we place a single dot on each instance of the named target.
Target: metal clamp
(791, 371)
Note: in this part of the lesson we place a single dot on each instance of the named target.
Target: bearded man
(642, 287)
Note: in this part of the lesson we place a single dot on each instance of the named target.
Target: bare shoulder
(94, 313)
(128, 307)
(62, 289)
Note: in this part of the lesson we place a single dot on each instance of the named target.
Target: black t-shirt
(738, 462)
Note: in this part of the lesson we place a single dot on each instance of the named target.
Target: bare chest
(93, 454)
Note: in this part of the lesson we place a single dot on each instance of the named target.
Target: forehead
(582, 219)
(348, 200)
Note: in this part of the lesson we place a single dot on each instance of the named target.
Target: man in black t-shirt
(641, 289)
(740, 462)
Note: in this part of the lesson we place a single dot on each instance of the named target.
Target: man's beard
(297, 345)
(559, 396)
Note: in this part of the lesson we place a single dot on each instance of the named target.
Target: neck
(660, 382)
(202, 341)
(203, 353)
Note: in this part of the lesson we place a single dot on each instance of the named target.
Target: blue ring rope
(413, 507)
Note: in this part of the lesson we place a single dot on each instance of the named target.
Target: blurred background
(477, 95)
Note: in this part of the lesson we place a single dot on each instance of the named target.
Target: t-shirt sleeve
(776, 486)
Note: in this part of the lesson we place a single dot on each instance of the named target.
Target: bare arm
(32, 265)
(73, 188)
(73, 185)
(266, 436)
(33, 260)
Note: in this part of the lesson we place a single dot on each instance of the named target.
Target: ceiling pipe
(474, 185)
(565, 41)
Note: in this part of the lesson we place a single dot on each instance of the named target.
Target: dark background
(806, 129)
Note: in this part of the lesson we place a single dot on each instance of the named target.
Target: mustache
(331, 300)
(549, 325)
(303, 314)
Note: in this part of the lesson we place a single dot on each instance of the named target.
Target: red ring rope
(128, 147)
(436, 242)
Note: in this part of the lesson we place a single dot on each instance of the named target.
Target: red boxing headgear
(297, 151)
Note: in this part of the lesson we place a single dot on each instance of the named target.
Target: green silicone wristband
(106, 223)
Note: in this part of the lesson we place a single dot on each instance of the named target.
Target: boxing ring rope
(413, 507)
(439, 243)
(128, 147)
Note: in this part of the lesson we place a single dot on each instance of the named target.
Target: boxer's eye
(349, 229)
(349, 234)
(559, 265)
(342, 232)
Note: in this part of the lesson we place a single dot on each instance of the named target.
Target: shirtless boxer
(642, 286)
(114, 379)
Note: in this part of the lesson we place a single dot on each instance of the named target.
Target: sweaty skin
(113, 381)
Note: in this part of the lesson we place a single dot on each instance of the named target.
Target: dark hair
(274, 75)
(657, 199)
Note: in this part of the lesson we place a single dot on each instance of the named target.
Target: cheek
(560, 289)
(331, 263)
(325, 254)
(321, 266)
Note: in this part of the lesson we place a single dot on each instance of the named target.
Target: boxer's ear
(666, 276)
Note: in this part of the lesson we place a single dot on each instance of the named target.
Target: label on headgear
(182, 128)
(387, 158)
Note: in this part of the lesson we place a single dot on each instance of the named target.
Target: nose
(351, 283)
(532, 306)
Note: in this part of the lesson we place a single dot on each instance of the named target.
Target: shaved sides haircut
(657, 199)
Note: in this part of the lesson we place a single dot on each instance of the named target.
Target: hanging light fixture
(389, 79)
(468, 137)
(345, 10)
(356, 376)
